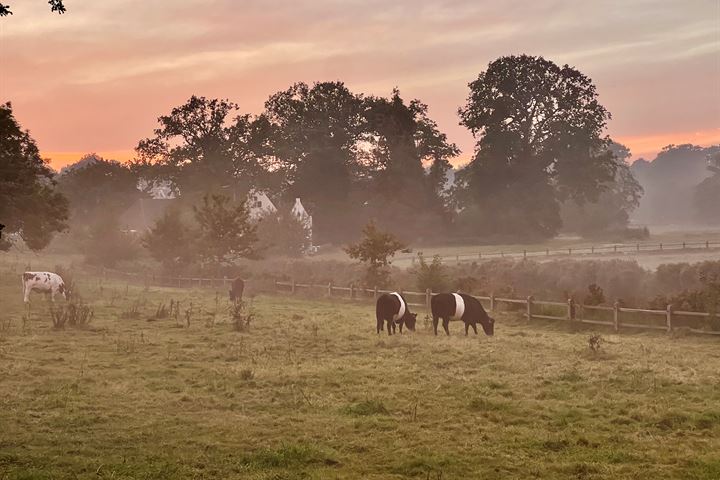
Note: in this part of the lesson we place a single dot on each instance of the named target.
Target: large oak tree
(539, 131)
(204, 146)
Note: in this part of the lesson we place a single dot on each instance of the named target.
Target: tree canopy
(30, 204)
(96, 187)
(55, 6)
(539, 132)
(201, 147)
(610, 214)
(226, 232)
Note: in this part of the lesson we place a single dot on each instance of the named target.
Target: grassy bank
(310, 391)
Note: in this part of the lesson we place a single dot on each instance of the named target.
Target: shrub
(241, 316)
(75, 314)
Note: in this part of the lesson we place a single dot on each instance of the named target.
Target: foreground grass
(310, 391)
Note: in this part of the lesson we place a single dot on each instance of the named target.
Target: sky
(97, 78)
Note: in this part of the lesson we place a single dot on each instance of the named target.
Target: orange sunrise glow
(96, 80)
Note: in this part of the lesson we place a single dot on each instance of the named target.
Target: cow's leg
(446, 325)
(467, 325)
(26, 293)
(401, 325)
(390, 327)
(435, 323)
(52, 296)
(379, 324)
(474, 325)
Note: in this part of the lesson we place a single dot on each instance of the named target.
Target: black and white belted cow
(393, 309)
(460, 306)
(46, 282)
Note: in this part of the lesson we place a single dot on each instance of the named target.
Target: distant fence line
(619, 248)
(570, 311)
(163, 280)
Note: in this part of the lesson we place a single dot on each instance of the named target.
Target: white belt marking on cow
(459, 306)
(400, 312)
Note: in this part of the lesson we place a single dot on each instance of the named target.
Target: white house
(298, 210)
(259, 204)
(158, 189)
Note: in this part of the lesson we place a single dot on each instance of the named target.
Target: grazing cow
(47, 282)
(462, 307)
(236, 289)
(393, 309)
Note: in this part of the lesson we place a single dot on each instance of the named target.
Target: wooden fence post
(428, 298)
(524, 253)
(479, 255)
(569, 251)
(352, 291)
(707, 244)
(571, 309)
(616, 316)
(615, 248)
(668, 318)
(375, 293)
(292, 287)
(592, 249)
(224, 282)
(457, 259)
(492, 302)
(529, 307)
(638, 247)
(329, 289)
(683, 245)
(547, 252)
(661, 246)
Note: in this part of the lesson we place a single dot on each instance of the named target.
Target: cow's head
(410, 320)
(488, 324)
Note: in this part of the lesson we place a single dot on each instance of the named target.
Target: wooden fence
(616, 317)
(620, 248)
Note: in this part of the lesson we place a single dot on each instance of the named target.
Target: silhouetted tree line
(542, 162)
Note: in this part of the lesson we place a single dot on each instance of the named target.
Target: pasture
(310, 391)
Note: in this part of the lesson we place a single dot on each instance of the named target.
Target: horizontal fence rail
(611, 249)
(667, 320)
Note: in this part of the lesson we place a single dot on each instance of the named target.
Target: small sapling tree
(375, 251)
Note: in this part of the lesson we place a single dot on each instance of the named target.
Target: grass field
(311, 392)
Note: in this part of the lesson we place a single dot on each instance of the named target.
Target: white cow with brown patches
(46, 282)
